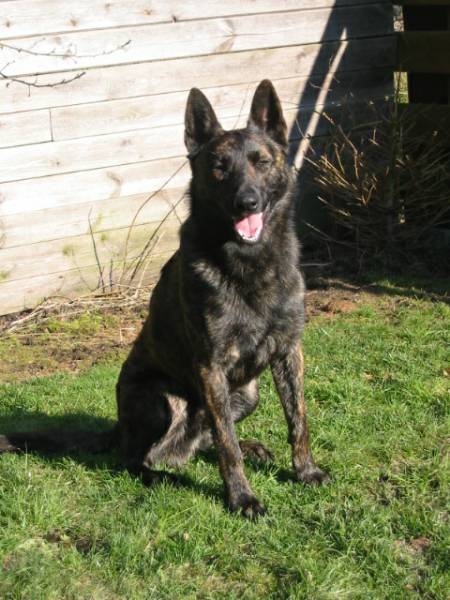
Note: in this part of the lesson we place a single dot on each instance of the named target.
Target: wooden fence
(92, 96)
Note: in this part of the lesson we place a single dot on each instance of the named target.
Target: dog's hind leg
(157, 425)
(243, 403)
(144, 418)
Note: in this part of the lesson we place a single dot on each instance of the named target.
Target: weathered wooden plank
(130, 147)
(424, 51)
(28, 293)
(78, 155)
(84, 50)
(322, 123)
(28, 17)
(205, 71)
(25, 128)
(104, 215)
(40, 160)
(91, 186)
(60, 255)
(168, 109)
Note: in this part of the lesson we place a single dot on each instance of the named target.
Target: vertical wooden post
(427, 87)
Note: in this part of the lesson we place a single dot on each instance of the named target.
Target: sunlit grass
(378, 398)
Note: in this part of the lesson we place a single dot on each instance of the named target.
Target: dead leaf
(419, 544)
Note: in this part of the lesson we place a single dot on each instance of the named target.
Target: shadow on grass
(416, 283)
(81, 437)
(76, 435)
(436, 291)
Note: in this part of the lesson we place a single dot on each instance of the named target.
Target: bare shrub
(385, 183)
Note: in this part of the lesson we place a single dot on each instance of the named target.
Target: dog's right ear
(200, 122)
(266, 113)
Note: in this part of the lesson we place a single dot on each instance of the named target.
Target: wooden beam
(424, 52)
(427, 3)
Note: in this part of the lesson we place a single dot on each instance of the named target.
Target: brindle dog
(229, 303)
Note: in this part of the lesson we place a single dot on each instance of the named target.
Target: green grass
(75, 527)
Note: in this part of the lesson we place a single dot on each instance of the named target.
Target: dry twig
(387, 187)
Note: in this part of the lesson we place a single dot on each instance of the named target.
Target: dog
(228, 304)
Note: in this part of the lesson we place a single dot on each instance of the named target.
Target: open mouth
(249, 228)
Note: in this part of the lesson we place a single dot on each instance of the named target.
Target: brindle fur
(222, 310)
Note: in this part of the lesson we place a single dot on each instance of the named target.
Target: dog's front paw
(249, 506)
(312, 475)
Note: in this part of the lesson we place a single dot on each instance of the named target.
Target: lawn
(377, 387)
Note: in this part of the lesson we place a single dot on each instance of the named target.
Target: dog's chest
(247, 337)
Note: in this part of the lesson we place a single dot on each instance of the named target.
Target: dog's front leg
(217, 398)
(287, 371)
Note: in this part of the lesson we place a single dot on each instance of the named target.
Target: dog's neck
(252, 264)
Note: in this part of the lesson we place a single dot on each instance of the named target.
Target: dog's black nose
(247, 204)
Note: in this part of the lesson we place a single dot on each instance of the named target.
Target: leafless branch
(36, 84)
(70, 53)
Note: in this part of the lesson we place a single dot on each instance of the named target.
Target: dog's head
(238, 175)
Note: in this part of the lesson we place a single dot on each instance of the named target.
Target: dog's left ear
(266, 113)
(200, 122)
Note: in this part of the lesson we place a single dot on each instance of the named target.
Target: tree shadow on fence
(354, 62)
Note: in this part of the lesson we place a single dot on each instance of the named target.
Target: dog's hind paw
(249, 506)
(150, 477)
(256, 451)
(312, 475)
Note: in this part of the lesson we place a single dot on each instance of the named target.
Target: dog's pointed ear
(266, 113)
(200, 122)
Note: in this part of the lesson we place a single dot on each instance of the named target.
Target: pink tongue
(249, 225)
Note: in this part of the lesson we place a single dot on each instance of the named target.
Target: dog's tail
(55, 441)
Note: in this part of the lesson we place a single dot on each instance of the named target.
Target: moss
(88, 323)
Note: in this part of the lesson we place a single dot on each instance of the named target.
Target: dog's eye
(264, 163)
(220, 171)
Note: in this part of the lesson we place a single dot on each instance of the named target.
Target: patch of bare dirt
(331, 297)
(43, 348)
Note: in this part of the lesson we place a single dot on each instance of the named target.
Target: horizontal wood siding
(83, 161)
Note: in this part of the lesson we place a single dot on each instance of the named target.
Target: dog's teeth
(251, 238)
